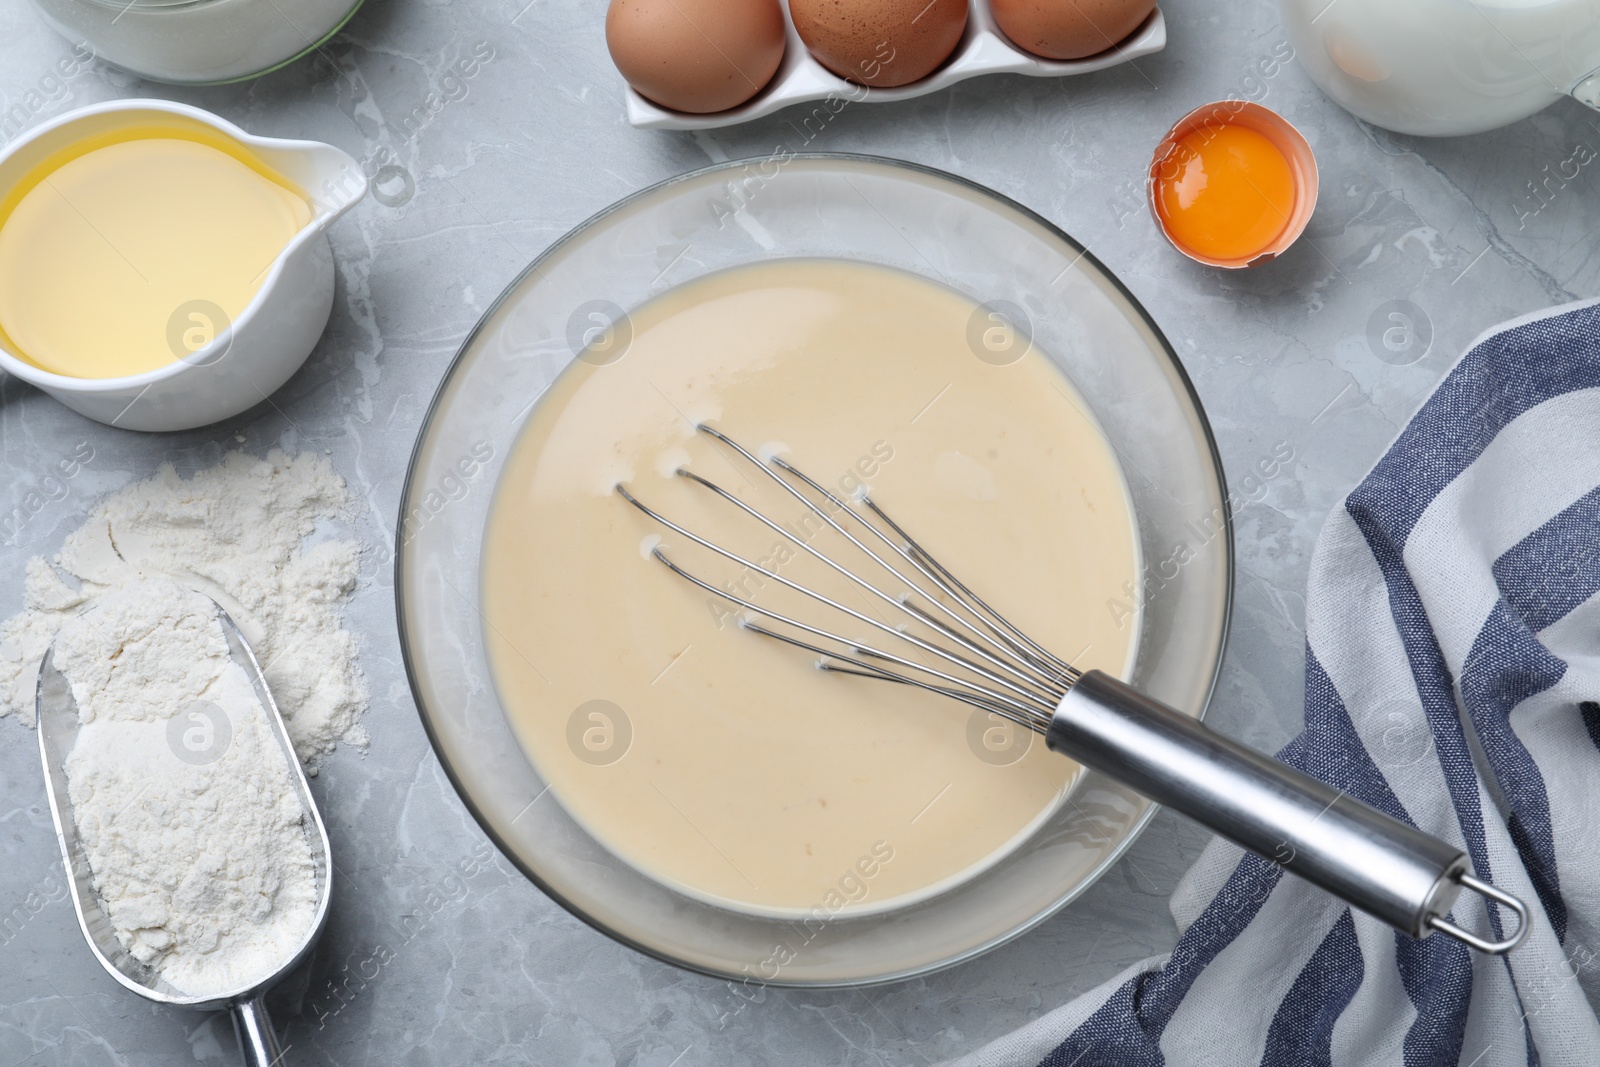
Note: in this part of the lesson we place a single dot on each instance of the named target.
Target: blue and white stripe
(1452, 680)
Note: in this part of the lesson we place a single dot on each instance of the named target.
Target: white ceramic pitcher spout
(248, 359)
(1446, 67)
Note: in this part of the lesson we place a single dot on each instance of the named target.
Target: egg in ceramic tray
(691, 67)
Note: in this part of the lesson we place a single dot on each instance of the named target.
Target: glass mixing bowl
(852, 207)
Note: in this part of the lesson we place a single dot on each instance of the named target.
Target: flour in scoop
(247, 533)
(184, 802)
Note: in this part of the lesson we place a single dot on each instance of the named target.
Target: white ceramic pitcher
(245, 361)
(1444, 67)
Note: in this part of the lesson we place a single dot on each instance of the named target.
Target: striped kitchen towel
(1452, 680)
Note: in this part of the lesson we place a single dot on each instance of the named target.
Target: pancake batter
(720, 762)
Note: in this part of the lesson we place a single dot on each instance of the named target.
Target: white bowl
(270, 339)
(984, 49)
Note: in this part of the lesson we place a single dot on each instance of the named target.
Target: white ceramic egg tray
(983, 50)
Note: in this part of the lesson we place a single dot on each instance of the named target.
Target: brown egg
(696, 55)
(882, 43)
(1069, 29)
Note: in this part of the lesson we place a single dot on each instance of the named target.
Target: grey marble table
(497, 166)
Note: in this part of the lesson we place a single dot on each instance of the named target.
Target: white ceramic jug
(1443, 67)
(240, 363)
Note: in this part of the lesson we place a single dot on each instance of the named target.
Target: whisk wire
(1032, 684)
(981, 693)
(837, 664)
(1015, 679)
(957, 590)
(1018, 692)
(841, 507)
(910, 553)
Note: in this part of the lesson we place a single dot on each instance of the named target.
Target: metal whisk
(948, 640)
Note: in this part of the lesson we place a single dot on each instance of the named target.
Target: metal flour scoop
(58, 730)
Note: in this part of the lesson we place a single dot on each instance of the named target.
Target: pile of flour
(236, 532)
(184, 801)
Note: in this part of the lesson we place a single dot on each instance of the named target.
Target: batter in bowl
(724, 764)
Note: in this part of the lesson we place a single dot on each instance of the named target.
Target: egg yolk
(1224, 191)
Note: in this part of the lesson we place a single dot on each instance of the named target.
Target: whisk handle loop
(1371, 860)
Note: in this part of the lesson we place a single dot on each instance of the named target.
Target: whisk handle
(1379, 864)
